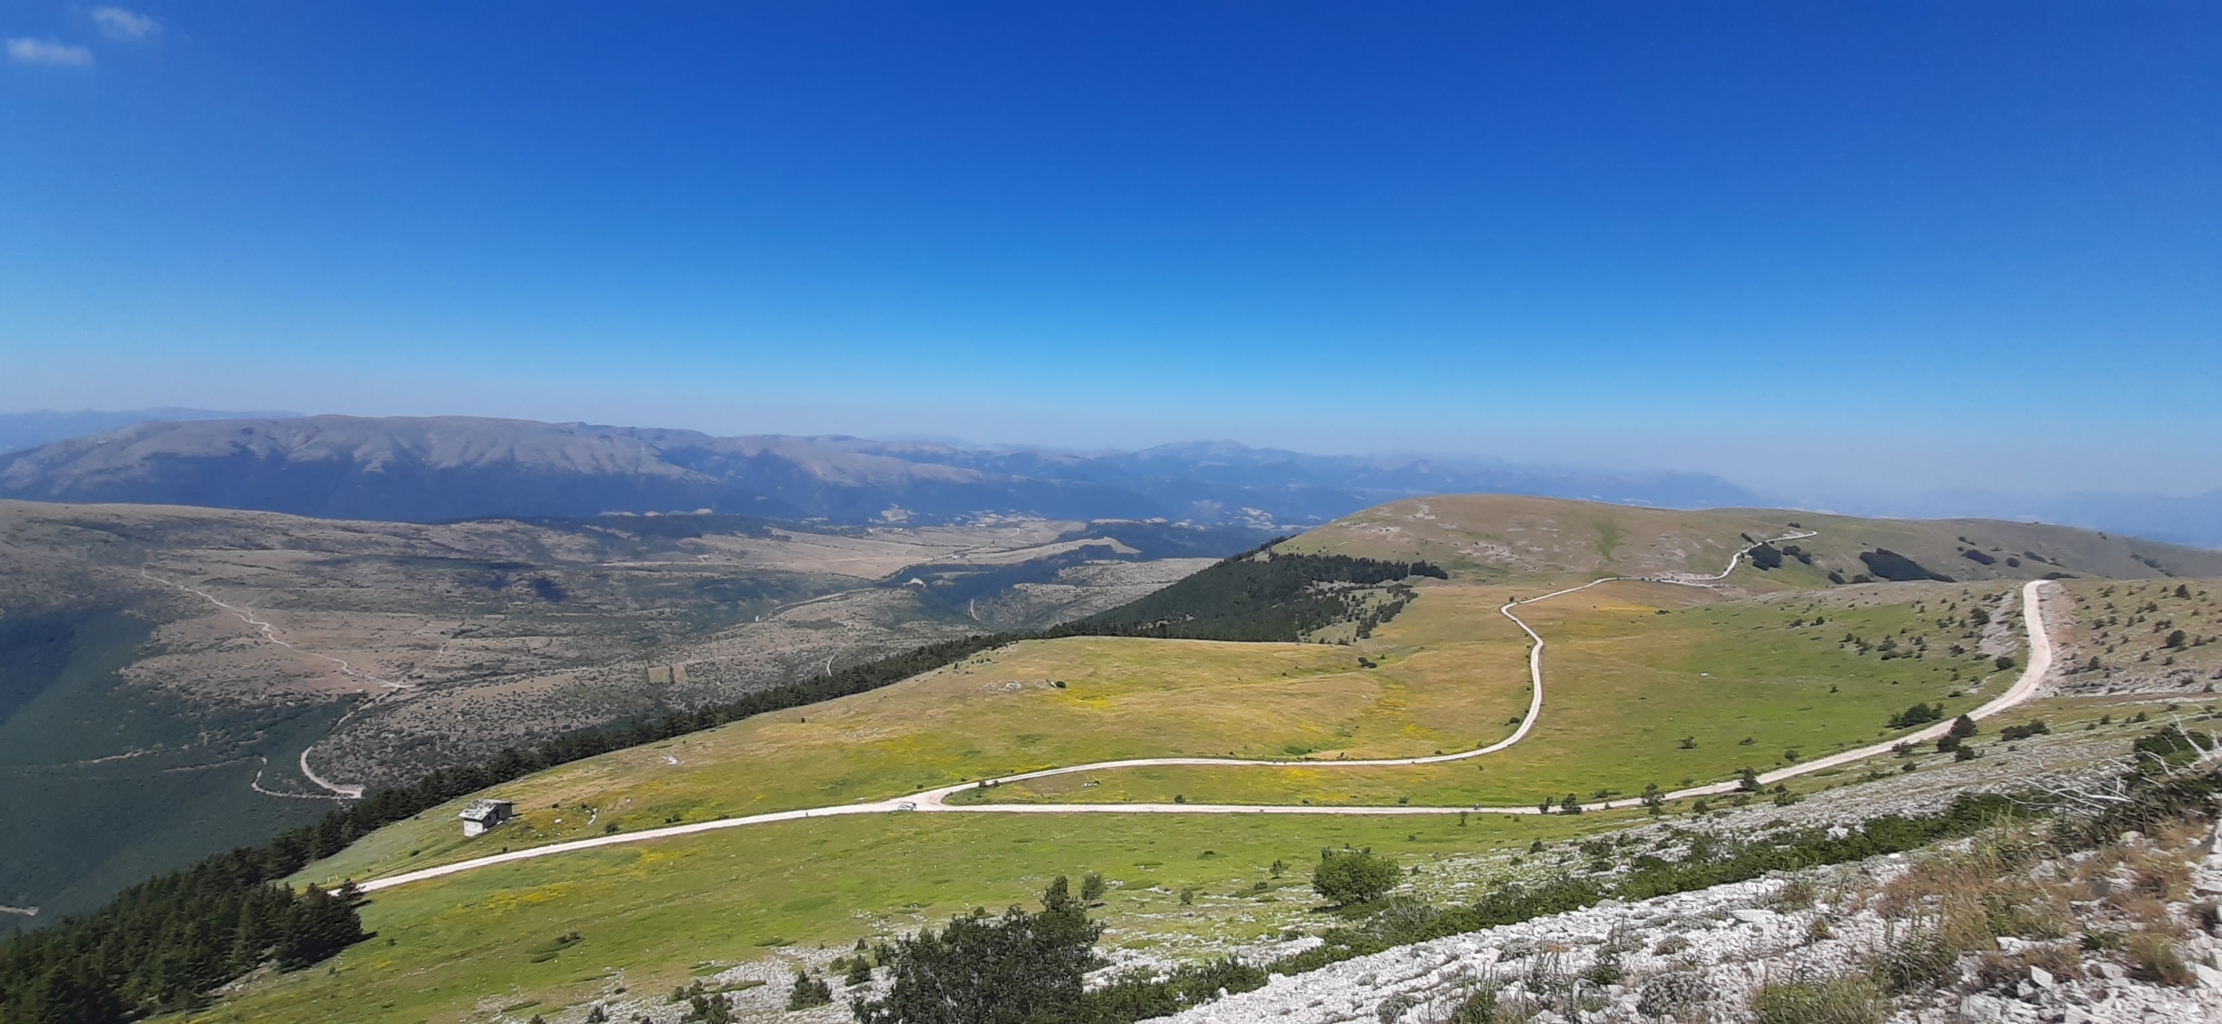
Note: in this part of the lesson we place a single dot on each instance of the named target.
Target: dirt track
(934, 800)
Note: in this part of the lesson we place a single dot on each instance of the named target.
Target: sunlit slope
(1645, 684)
(1509, 537)
(1004, 712)
(653, 914)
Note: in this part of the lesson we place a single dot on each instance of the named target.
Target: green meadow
(652, 914)
(1645, 684)
(1632, 697)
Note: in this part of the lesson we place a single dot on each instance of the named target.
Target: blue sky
(1805, 245)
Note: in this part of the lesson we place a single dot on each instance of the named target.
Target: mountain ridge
(428, 469)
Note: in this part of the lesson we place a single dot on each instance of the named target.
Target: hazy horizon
(1849, 496)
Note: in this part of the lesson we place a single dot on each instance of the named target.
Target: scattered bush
(810, 990)
(1344, 877)
(991, 970)
(2172, 744)
(1919, 714)
(1137, 995)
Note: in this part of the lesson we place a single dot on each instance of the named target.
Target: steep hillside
(1510, 537)
(449, 468)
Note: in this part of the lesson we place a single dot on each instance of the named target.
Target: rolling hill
(1508, 537)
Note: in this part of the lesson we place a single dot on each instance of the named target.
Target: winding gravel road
(934, 800)
(269, 633)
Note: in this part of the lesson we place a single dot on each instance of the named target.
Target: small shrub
(1092, 885)
(1353, 876)
(1678, 994)
(1669, 946)
(1919, 714)
(810, 990)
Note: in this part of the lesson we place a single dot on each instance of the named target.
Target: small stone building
(485, 814)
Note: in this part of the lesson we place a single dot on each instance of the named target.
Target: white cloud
(117, 23)
(49, 52)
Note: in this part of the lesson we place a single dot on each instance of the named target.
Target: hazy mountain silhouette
(452, 467)
(45, 426)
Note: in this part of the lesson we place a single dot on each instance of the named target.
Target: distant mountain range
(451, 467)
(20, 430)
